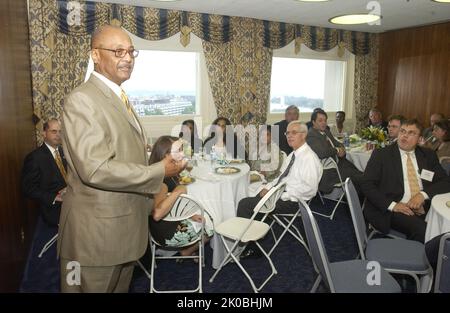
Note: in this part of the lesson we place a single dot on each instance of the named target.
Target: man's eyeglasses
(293, 133)
(120, 53)
(408, 133)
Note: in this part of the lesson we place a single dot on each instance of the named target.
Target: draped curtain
(238, 52)
(366, 83)
(239, 73)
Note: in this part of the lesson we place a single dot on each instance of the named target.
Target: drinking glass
(189, 166)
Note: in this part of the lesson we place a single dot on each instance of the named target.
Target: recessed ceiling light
(350, 19)
(442, 1)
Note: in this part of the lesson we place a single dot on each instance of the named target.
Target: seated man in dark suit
(291, 114)
(394, 123)
(376, 119)
(301, 171)
(43, 173)
(310, 122)
(399, 181)
(325, 145)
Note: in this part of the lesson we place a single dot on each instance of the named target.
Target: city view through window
(163, 83)
(306, 83)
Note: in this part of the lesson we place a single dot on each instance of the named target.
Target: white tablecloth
(220, 195)
(438, 217)
(359, 158)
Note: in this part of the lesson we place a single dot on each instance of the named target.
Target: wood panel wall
(414, 72)
(16, 140)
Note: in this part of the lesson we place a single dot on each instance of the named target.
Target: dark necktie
(286, 171)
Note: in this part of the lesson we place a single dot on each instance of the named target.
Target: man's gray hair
(292, 107)
(303, 127)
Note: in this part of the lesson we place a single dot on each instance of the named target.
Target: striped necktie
(124, 98)
(60, 164)
(286, 171)
(413, 182)
(412, 176)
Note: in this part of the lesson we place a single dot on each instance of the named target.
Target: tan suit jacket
(104, 217)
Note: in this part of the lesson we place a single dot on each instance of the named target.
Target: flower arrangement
(374, 134)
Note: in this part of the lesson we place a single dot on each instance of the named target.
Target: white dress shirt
(407, 194)
(52, 150)
(303, 179)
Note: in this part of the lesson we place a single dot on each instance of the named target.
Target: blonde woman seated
(172, 233)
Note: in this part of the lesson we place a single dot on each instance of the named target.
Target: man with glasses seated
(399, 182)
(394, 123)
(301, 171)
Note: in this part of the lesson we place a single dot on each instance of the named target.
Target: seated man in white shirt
(301, 171)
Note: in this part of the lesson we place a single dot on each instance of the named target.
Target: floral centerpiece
(375, 135)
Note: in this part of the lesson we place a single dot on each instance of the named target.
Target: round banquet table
(438, 217)
(220, 195)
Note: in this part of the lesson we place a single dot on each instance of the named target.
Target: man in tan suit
(104, 219)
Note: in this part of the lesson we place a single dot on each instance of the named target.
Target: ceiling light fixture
(441, 1)
(351, 19)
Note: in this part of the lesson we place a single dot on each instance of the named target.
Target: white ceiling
(396, 14)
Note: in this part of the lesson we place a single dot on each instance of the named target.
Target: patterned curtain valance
(75, 18)
(82, 17)
(278, 35)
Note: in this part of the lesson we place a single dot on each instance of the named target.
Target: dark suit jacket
(322, 147)
(319, 143)
(282, 140)
(382, 182)
(41, 180)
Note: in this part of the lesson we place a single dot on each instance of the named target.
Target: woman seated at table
(218, 140)
(172, 233)
(190, 135)
(441, 131)
(269, 158)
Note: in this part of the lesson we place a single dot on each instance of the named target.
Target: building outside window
(164, 83)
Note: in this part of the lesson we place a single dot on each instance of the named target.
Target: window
(164, 83)
(205, 111)
(307, 83)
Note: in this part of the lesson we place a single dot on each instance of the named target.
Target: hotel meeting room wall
(414, 71)
(17, 138)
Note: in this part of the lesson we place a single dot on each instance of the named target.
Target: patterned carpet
(295, 270)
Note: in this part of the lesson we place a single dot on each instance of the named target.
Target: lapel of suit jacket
(421, 160)
(118, 104)
(397, 161)
(52, 162)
